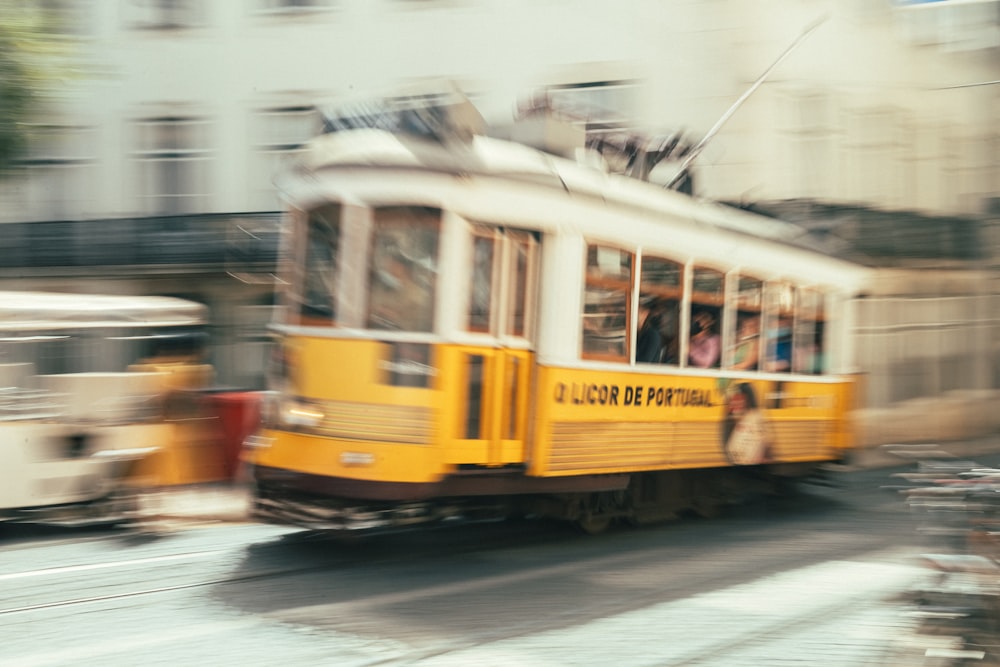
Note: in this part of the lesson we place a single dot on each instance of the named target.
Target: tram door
(501, 305)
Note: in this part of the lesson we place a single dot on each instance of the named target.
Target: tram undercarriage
(638, 498)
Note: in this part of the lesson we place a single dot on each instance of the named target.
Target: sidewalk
(230, 501)
(891, 455)
(216, 502)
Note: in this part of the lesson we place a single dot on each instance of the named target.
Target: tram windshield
(403, 269)
(377, 272)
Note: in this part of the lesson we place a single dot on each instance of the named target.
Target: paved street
(812, 580)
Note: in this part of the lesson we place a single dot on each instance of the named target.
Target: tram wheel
(594, 525)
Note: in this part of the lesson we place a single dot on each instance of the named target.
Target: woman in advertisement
(746, 434)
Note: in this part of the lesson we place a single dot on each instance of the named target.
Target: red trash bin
(239, 417)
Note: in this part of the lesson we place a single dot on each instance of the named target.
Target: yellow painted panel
(467, 451)
(326, 456)
(597, 421)
(349, 370)
(803, 441)
(582, 421)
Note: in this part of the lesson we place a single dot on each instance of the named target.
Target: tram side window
(320, 272)
(484, 245)
(503, 266)
(660, 293)
(807, 333)
(403, 268)
(745, 353)
(524, 250)
(707, 296)
(606, 303)
(779, 303)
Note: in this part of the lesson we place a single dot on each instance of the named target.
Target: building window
(280, 132)
(68, 18)
(952, 25)
(292, 6)
(173, 164)
(163, 14)
(601, 106)
(59, 165)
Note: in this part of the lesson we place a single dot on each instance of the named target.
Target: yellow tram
(465, 330)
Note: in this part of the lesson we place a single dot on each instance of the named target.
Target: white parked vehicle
(75, 421)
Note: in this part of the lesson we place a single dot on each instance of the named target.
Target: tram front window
(320, 270)
(403, 269)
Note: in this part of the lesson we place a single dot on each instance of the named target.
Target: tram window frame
(610, 348)
(480, 316)
(667, 299)
(501, 299)
(747, 302)
(421, 315)
(808, 332)
(521, 295)
(333, 224)
(712, 302)
(779, 305)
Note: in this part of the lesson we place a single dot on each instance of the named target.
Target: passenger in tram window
(782, 360)
(809, 356)
(668, 318)
(649, 342)
(705, 345)
(747, 344)
(819, 351)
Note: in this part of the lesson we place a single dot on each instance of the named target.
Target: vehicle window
(745, 352)
(318, 298)
(502, 275)
(807, 334)
(779, 302)
(606, 303)
(660, 294)
(484, 245)
(524, 247)
(403, 268)
(707, 296)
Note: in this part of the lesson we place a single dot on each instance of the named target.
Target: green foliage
(31, 51)
(16, 98)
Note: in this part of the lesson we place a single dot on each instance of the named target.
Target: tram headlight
(295, 413)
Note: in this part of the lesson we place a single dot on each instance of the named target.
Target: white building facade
(181, 108)
(187, 107)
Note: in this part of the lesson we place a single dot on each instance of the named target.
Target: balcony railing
(207, 242)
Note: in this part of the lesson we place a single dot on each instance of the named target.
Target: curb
(216, 502)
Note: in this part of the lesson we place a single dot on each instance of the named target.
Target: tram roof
(487, 156)
(32, 311)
